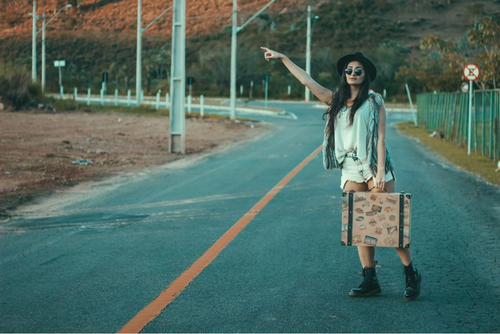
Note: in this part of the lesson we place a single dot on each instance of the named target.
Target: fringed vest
(329, 158)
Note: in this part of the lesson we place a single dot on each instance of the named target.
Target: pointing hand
(270, 54)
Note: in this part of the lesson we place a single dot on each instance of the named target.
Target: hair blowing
(340, 97)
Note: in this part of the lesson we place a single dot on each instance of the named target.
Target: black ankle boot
(369, 286)
(413, 279)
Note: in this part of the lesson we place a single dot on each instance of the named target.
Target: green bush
(35, 91)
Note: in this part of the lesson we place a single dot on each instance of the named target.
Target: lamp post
(140, 30)
(33, 41)
(43, 52)
(44, 25)
(308, 49)
(138, 68)
(177, 136)
(234, 32)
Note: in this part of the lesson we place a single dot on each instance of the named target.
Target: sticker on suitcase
(376, 220)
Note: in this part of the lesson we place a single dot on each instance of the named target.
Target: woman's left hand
(271, 54)
(380, 181)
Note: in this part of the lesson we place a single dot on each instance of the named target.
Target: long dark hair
(340, 97)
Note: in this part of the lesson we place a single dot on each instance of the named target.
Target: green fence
(448, 113)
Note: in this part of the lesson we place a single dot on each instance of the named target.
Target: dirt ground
(39, 151)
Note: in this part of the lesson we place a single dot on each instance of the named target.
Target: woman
(355, 143)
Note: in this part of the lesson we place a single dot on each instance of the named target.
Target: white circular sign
(471, 72)
(465, 87)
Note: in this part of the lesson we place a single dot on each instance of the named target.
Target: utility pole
(33, 48)
(44, 25)
(43, 52)
(234, 32)
(178, 79)
(140, 30)
(138, 72)
(308, 51)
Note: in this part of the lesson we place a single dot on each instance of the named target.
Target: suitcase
(378, 219)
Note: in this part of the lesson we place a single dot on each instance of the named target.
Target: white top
(352, 138)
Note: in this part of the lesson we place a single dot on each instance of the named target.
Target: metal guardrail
(118, 100)
(448, 114)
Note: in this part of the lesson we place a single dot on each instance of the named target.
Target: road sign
(464, 87)
(471, 72)
(59, 63)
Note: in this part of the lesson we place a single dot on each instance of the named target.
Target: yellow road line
(151, 311)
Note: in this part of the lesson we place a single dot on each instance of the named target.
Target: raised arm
(322, 93)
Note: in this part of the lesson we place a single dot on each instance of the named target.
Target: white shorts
(357, 170)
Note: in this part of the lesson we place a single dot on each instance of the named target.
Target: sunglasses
(357, 71)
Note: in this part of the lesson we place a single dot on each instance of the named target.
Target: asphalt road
(94, 263)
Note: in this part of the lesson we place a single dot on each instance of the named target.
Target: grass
(474, 163)
(398, 105)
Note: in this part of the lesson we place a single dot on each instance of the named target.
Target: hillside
(446, 18)
(99, 35)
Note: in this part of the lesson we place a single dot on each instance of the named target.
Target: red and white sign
(471, 72)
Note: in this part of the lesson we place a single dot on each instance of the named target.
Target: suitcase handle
(377, 190)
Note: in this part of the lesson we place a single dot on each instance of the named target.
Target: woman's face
(353, 79)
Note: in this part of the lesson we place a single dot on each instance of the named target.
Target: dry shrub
(15, 86)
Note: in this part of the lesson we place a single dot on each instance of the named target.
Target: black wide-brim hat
(367, 64)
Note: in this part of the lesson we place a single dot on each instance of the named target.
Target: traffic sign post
(105, 83)
(471, 72)
(464, 87)
(190, 82)
(59, 64)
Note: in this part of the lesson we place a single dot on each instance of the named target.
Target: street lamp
(43, 41)
(308, 49)
(33, 46)
(177, 142)
(234, 32)
(140, 30)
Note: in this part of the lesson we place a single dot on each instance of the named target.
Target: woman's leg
(413, 277)
(404, 253)
(366, 254)
(370, 285)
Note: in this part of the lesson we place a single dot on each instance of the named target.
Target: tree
(215, 62)
(156, 62)
(123, 72)
(486, 34)
(479, 45)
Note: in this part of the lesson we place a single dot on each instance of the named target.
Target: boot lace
(411, 278)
